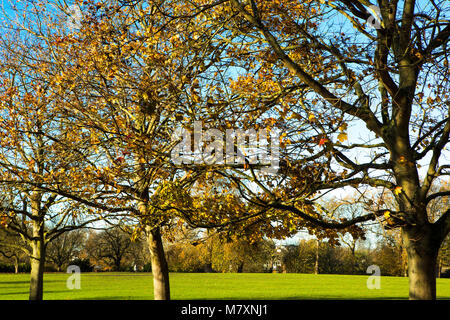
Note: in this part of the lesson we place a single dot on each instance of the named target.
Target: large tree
(129, 76)
(361, 91)
(31, 159)
(41, 150)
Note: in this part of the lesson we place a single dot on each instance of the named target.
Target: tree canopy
(358, 90)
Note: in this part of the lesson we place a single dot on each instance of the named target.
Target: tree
(128, 77)
(238, 254)
(11, 248)
(390, 81)
(139, 254)
(187, 250)
(110, 246)
(444, 257)
(40, 152)
(110, 126)
(301, 258)
(205, 251)
(388, 257)
(65, 248)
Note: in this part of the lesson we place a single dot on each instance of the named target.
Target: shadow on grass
(13, 282)
(24, 282)
(296, 298)
(345, 299)
(291, 298)
(117, 298)
(98, 274)
(13, 293)
(353, 299)
(240, 299)
(26, 292)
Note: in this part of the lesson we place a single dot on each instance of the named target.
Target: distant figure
(135, 268)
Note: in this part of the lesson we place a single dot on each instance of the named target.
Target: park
(224, 149)
(207, 286)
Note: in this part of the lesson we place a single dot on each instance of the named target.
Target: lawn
(204, 286)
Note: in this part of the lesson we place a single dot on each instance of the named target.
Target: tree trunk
(16, 265)
(208, 268)
(160, 270)
(37, 270)
(240, 267)
(422, 253)
(354, 261)
(316, 265)
(117, 263)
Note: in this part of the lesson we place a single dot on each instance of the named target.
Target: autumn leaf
(343, 127)
(322, 141)
(342, 137)
(398, 190)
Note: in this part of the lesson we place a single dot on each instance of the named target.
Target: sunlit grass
(203, 286)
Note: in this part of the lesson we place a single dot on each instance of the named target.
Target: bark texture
(160, 269)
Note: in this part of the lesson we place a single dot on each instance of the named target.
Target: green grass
(187, 286)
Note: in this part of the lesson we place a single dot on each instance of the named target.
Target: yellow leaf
(343, 127)
(196, 98)
(398, 190)
(342, 136)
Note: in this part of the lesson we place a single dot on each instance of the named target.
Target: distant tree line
(113, 250)
(302, 258)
